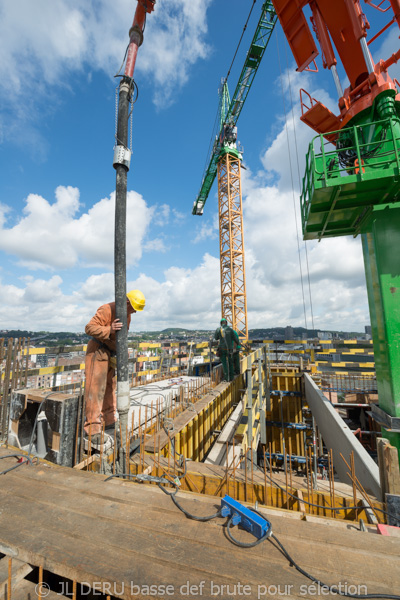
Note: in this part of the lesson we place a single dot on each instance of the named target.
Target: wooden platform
(131, 536)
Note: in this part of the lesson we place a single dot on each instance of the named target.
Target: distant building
(324, 335)
(42, 360)
(368, 330)
(289, 333)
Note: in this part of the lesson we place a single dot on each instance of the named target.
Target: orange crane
(351, 183)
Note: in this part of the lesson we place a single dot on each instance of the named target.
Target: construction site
(225, 467)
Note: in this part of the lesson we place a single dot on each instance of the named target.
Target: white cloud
(271, 206)
(179, 217)
(286, 151)
(186, 297)
(161, 215)
(207, 230)
(183, 23)
(39, 304)
(54, 235)
(43, 42)
(98, 287)
(155, 245)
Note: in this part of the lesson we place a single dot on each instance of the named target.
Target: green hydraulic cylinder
(381, 243)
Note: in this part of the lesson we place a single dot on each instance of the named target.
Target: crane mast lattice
(225, 159)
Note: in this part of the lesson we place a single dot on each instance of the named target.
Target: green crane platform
(342, 184)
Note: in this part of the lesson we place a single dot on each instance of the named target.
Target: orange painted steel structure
(233, 280)
(343, 23)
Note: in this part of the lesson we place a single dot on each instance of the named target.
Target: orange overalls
(101, 401)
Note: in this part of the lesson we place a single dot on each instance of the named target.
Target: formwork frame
(232, 265)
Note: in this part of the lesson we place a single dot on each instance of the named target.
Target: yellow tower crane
(225, 159)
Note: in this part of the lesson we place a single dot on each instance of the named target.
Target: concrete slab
(159, 395)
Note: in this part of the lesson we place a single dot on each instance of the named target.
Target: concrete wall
(338, 436)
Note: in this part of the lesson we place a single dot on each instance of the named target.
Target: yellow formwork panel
(367, 365)
(247, 486)
(149, 372)
(149, 345)
(52, 370)
(34, 351)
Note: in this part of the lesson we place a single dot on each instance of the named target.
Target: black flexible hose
(16, 455)
(245, 544)
(332, 589)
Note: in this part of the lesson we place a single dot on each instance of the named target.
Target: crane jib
(254, 55)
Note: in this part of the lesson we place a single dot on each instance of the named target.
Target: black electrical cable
(123, 62)
(267, 536)
(348, 156)
(240, 41)
(245, 544)
(185, 512)
(332, 589)
(16, 455)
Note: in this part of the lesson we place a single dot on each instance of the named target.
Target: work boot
(95, 442)
(110, 428)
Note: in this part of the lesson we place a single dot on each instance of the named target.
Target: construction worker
(227, 337)
(236, 353)
(100, 365)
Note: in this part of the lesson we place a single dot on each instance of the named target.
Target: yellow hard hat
(137, 299)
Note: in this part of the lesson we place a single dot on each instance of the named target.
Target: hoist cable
(291, 178)
(240, 40)
(299, 177)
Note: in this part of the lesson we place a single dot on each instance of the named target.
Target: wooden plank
(76, 525)
(388, 467)
(86, 462)
(19, 570)
(134, 495)
(391, 462)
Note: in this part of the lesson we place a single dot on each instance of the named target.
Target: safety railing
(361, 152)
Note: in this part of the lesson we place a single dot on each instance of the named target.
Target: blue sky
(57, 124)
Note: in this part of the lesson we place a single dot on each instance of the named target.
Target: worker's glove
(239, 348)
(113, 362)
